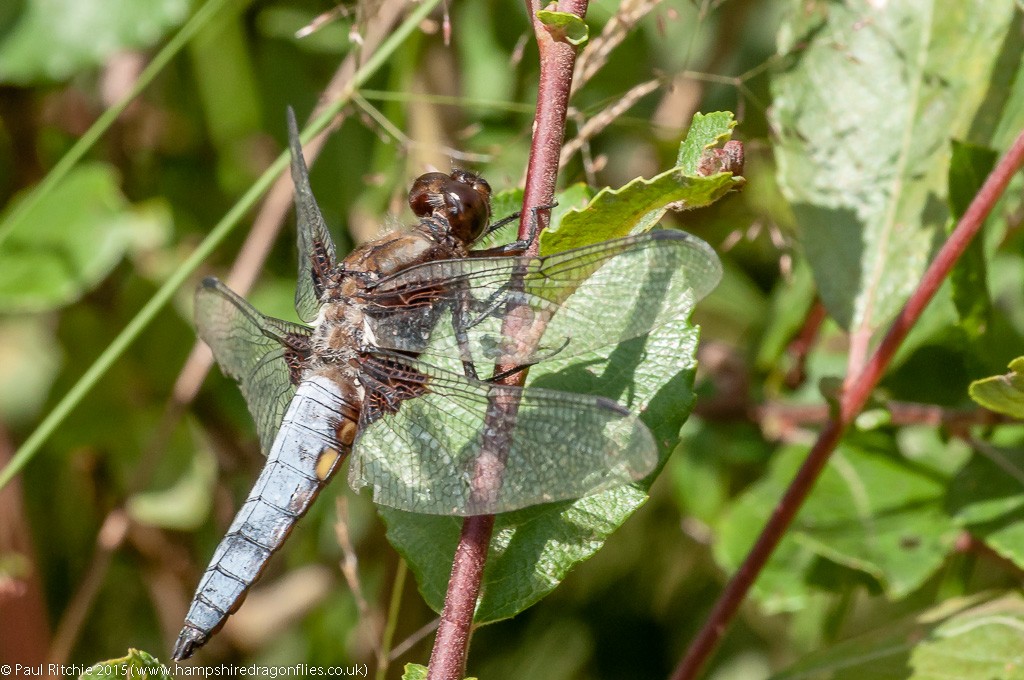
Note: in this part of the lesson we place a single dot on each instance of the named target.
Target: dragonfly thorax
(337, 335)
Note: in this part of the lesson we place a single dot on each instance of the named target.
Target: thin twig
(557, 56)
(779, 417)
(350, 570)
(801, 345)
(414, 639)
(595, 55)
(403, 139)
(853, 399)
(384, 648)
(596, 124)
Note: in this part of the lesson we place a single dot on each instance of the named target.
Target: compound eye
(468, 211)
(427, 193)
(462, 199)
(474, 181)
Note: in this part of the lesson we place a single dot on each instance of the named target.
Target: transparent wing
(563, 305)
(264, 355)
(440, 453)
(316, 247)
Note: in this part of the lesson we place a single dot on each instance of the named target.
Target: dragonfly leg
(490, 306)
(519, 246)
(460, 322)
(522, 367)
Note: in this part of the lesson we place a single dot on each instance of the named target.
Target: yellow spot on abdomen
(325, 462)
(347, 433)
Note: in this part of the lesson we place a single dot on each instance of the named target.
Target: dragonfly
(396, 369)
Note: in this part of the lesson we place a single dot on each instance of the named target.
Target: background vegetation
(868, 127)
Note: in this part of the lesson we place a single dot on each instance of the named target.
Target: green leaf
(54, 39)
(617, 212)
(185, 505)
(641, 203)
(31, 361)
(565, 25)
(864, 108)
(871, 511)
(534, 549)
(987, 496)
(66, 245)
(969, 166)
(414, 671)
(227, 89)
(707, 130)
(137, 664)
(1002, 393)
(961, 638)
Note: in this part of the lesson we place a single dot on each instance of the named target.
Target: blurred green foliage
(849, 113)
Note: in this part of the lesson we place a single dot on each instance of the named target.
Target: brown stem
(451, 646)
(557, 58)
(802, 343)
(24, 625)
(855, 396)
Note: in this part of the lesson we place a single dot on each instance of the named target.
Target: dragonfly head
(462, 199)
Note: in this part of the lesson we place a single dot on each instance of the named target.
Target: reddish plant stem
(557, 59)
(24, 625)
(854, 398)
(451, 646)
(783, 417)
(968, 543)
(803, 342)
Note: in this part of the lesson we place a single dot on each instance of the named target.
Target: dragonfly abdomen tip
(189, 640)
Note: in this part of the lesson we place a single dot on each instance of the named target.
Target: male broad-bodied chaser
(407, 335)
